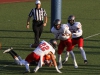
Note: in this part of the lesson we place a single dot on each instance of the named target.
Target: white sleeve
(54, 32)
(67, 31)
(78, 32)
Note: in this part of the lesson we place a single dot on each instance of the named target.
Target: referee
(39, 20)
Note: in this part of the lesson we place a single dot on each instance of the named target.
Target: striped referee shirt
(38, 14)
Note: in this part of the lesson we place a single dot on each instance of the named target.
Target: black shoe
(34, 45)
(85, 62)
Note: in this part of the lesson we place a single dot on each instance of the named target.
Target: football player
(76, 30)
(38, 55)
(19, 61)
(62, 33)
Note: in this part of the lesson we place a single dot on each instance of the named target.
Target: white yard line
(5, 66)
(92, 36)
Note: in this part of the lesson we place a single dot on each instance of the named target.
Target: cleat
(85, 62)
(6, 51)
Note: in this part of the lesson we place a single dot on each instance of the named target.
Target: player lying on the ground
(19, 61)
(38, 55)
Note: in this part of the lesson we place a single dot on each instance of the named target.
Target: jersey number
(44, 46)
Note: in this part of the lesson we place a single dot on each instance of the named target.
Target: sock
(27, 66)
(83, 53)
(67, 56)
(59, 60)
(17, 60)
(73, 57)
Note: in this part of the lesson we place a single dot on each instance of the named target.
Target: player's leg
(61, 47)
(80, 45)
(83, 54)
(68, 44)
(12, 53)
(16, 55)
(69, 48)
(66, 57)
(29, 59)
(27, 67)
(74, 59)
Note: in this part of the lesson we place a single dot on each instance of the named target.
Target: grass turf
(13, 33)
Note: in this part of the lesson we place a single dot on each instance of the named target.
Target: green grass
(13, 33)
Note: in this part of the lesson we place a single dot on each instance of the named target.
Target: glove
(58, 70)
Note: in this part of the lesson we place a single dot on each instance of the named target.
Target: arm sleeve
(55, 35)
(79, 31)
(31, 13)
(44, 12)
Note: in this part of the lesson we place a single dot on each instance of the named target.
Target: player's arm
(67, 32)
(28, 22)
(54, 62)
(78, 32)
(40, 63)
(54, 32)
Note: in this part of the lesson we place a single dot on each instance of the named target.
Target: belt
(77, 38)
(37, 21)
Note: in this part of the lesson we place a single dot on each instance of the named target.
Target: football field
(13, 33)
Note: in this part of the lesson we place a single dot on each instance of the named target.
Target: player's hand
(27, 26)
(59, 71)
